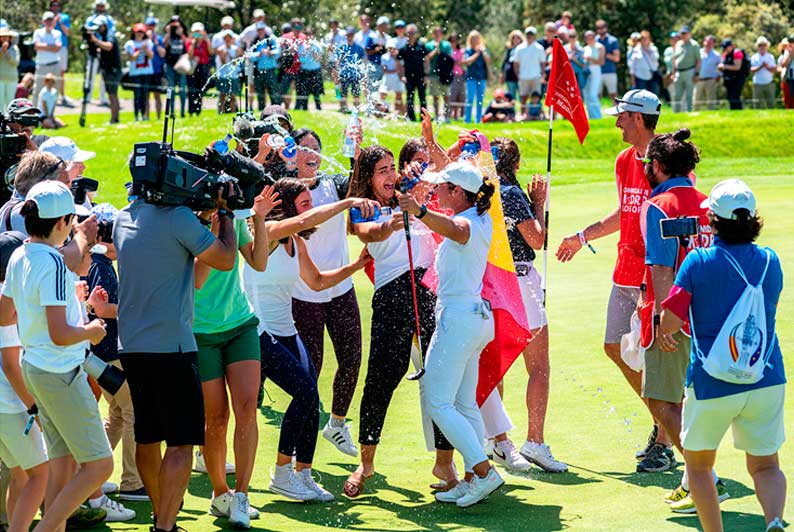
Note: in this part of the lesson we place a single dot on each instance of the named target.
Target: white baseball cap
(53, 199)
(259, 13)
(227, 20)
(48, 15)
(65, 148)
(197, 26)
(727, 197)
(459, 173)
(636, 101)
(382, 20)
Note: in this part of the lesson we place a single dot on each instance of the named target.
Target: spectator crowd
(391, 65)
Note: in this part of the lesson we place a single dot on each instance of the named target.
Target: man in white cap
(686, 65)
(66, 150)
(763, 68)
(100, 14)
(218, 39)
(248, 35)
(47, 41)
(529, 63)
(637, 115)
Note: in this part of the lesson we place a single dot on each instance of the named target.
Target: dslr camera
(80, 188)
(12, 146)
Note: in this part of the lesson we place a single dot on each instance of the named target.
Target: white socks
(685, 479)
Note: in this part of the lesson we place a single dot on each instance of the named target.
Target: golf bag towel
(740, 354)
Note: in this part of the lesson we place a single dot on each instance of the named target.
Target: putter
(415, 376)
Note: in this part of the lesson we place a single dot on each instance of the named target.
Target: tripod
(88, 82)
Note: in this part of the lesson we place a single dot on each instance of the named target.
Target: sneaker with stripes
(340, 436)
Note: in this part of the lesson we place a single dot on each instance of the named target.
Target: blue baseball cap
(399, 23)
(151, 21)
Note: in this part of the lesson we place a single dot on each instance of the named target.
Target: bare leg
(770, 484)
(243, 378)
(174, 476)
(149, 461)
(669, 416)
(702, 489)
(536, 359)
(27, 488)
(216, 412)
(367, 466)
(444, 468)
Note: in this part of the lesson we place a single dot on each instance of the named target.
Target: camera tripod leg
(88, 81)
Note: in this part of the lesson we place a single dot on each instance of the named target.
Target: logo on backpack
(740, 352)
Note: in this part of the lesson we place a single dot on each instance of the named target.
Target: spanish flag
(500, 287)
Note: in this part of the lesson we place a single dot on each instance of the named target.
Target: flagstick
(547, 206)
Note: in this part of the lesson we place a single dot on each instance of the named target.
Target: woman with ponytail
(464, 321)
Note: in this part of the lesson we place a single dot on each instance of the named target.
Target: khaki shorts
(527, 86)
(664, 376)
(622, 304)
(69, 414)
(18, 449)
(436, 88)
(63, 57)
(755, 416)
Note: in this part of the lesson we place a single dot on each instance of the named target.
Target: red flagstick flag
(563, 91)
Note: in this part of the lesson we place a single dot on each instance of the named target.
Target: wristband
(204, 221)
(583, 241)
(422, 212)
(225, 212)
(33, 410)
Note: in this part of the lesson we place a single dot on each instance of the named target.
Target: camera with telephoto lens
(249, 130)
(12, 146)
(107, 375)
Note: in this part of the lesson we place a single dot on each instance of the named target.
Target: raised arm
(314, 217)
(317, 280)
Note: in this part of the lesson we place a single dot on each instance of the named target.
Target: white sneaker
(340, 437)
(323, 494)
(116, 512)
(488, 448)
(240, 511)
(292, 486)
(109, 488)
(461, 489)
(221, 505)
(540, 454)
(776, 525)
(506, 455)
(480, 488)
(201, 467)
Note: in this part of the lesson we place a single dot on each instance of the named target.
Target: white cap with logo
(729, 196)
(65, 148)
(53, 198)
(459, 173)
(637, 101)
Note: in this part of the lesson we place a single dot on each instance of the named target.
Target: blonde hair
(35, 166)
(513, 35)
(472, 34)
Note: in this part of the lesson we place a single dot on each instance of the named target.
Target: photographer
(41, 166)
(156, 342)
(106, 50)
(100, 11)
(175, 44)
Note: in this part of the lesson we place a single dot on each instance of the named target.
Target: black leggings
(341, 317)
(140, 93)
(281, 364)
(393, 329)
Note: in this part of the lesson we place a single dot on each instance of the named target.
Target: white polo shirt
(44, 57)
(530, 58)
(37, 278)
(10, 403)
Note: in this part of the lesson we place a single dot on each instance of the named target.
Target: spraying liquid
(356, 217)
(349, 146)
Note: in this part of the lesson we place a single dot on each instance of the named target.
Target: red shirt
(202, 52)
(633, 190)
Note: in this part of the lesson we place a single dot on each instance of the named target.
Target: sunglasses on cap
(53, 169)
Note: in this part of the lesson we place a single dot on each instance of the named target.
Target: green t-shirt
(446, 48)
(221, 304)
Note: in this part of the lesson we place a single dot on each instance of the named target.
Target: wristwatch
(422, 212)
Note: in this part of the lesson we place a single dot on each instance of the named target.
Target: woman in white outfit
(464, 321)
(594, 56)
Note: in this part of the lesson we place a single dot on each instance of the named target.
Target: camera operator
(40, 166)
(106, 51)
(23, 117)
(100, 10)
(157, 347)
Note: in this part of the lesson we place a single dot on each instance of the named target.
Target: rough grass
(594, 421)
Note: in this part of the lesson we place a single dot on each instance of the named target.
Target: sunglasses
(53, 169)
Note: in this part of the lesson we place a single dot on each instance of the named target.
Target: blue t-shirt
(715, 287)
(610, 45)
(477, 70)
(307, 52)
(157, 61)
(371, 43)
(263, 61)
(65, 22)
(349, 60)
(661, 251)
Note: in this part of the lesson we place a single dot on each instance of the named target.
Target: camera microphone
(243, 128)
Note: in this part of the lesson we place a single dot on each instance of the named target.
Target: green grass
(594, 421)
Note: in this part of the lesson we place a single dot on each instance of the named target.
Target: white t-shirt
(763, 76)
(327, 246)
(461, 267)
(10, 403)
(270, 291)
(360, 38)
(44, 57)
(218, 40)
(37, 278)
(530, 58)
(593, 53)
(48, 96)
(391, 256)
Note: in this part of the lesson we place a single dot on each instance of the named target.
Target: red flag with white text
(563, 91)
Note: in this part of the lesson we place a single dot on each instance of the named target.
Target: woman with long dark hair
(393, 324)
(284, 358)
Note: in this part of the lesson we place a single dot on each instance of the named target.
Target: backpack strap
(735, 265)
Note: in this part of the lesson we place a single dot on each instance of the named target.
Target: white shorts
(391, 83)
(610, 81)
(527, 86)
(18, 449)
(755, 416)
(63, 55)
(532, 295)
